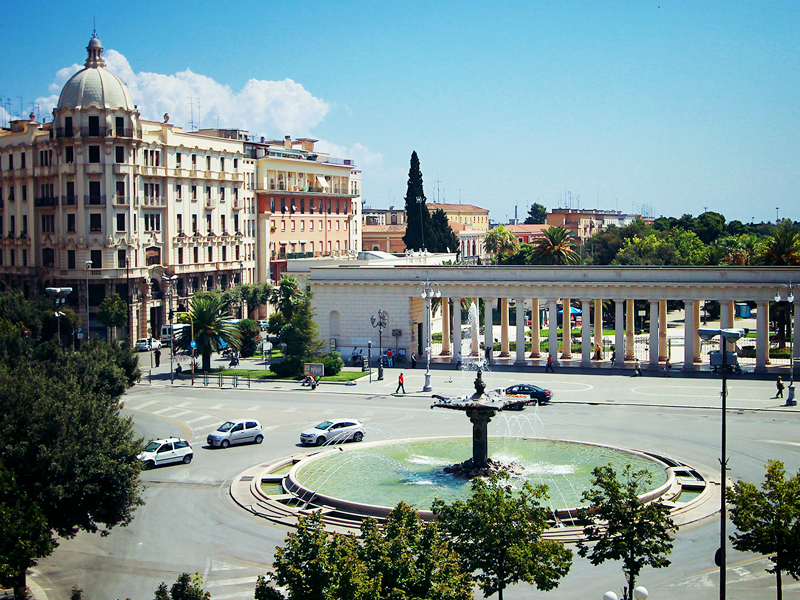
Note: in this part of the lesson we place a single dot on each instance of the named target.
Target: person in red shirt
(400, 384)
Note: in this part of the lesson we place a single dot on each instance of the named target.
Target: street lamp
(59, 294)
(726, 335)
(169, 281)
(380, 323)
(88, 266)
(790, 299)
(428, 293)
(420, 201)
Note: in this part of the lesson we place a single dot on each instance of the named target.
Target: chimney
(287, 141)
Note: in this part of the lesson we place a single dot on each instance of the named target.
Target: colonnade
(591, 330)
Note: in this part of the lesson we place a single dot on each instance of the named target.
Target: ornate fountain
(480, 409)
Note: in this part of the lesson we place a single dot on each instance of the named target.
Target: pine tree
(418, 219)
(442, 238)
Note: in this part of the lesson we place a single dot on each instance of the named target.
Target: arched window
(153, 255)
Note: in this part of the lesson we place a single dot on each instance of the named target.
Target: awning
(322, 181)
(572, 311)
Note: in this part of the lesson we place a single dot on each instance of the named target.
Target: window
(13, 225)
(24, 257)
(152, 255)
(120, 192)
(224, 253)
(152, 222)
(12, 257)
(194, 193)
(235, 163)
(10, 162)
(292, 224)
(70, 259)
(196, 255)
(311, 225)
(208, 223)
(180, 223)
(208, 192)
(48, 223)
(222, 223)
(329, 225)
(97, 259)
(119, 154)
(208, 163)
(94, 126)
(94, 154)
(210, 254)
(194, 161)
(95, 222)
(221, 194)
(70, 192)
(11, 193)
(24, 192)
(178, 191)
(22, 159)
(24, 225)
(221, 164)
(120, 221)
(180, 256)
(121, 255)
(235, 223)
(178, 160)
(120, 121)
(68, 126)
(236, 252)
(194, 224)
(71, 222)
(69, 154)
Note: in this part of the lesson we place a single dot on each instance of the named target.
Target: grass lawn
(267, 374)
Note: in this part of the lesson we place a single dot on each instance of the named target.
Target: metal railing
(94, 200)
(46, 201)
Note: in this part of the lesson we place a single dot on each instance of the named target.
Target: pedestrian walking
(637, 368)
(400, 385)
(613, 357)
(458, 360)
(779, 385)
(157, 354)
(667, 368)
(549, 366)
(413, 360)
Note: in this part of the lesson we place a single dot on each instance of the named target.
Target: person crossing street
(400, 385)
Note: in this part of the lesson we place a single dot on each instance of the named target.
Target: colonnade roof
(592, 282)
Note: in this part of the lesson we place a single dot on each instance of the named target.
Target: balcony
(158, 201)
(210, 203)
(69, 200)
(237, 204)
(65, 132)
(87, 132)
(125, 132)
(94, 200)
(122, 200)
(46, 201)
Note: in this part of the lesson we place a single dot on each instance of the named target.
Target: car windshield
(226, 426)
(324, 425)
(142, 341)
(152, 446)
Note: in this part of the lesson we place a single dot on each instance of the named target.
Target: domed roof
(94, 85)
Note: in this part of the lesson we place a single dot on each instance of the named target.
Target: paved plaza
(189, 522)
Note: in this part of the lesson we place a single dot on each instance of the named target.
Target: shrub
(333, 363)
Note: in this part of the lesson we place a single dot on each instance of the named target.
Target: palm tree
(285, 296)
(782, 248)
(557, 247)
(501, 241)
(211, 324)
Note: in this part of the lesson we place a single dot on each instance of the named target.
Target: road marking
(256, 407)
(198, 419)
(221, 565)
(179, 413)
(782, 442)
(292, 409)
(141, 406)
(163, 410)
(236, 581)
(216, 407)
(183, 404)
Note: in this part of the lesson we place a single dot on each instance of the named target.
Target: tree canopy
(211, 323)
(501, 242)
(443, 239)
(417, 216)
(537, 214)
(113, 312)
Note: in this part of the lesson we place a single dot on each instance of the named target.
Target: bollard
(205, 378)
(235, 380)
(220, 378)
(248, 380)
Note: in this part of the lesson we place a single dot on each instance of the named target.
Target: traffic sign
(192, 344)
(80, 329)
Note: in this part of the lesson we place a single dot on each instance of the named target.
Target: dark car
(542, 395)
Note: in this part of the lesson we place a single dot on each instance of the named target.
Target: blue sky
(665, 107)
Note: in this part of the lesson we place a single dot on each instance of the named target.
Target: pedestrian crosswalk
(231, 580)
(735, 574)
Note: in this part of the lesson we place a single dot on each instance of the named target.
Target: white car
(333, 431)
(239, 431)
(263, 324)
(169, 450)
(147, 344)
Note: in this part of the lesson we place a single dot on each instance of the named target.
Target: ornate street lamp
(169, 281)
(790, 299)
(88, 266)
(380, 322)
(726, 335)
(428, 293)
(58, 294)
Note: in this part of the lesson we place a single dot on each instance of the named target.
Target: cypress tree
(418, 219)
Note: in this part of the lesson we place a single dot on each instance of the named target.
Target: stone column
(619, 330)
(724, 319)
(458, 346)
(654, 333)
(688, 335)
(762, 335)
(520, 331)
(552, 332)
(262, 246)
(696, 356)
(488, 338)
(445, 326)
(503, 327)
(630, 329)
(536, 327)
(663, 345)
(731, 319)
(586, 338)
(475, 318)
(566, 329)
(598, 323)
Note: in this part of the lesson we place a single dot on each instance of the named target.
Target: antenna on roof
(94, 26)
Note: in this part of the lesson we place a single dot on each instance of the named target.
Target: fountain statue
(480, 409)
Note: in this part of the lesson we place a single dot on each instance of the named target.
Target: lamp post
(380, 322)
(58, 294)
(169, 281)
(128, 292)
(88, 267)
(241, 286)
(790, 300)
(420, 201)
(726, 335)
(428, 293)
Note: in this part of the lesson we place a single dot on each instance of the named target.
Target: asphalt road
(189, 522)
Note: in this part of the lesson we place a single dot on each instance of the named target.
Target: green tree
(556, 247)
(286, 296)
(186, 587)
(709, 226)
(113, 312)
(442, 238)
(251, 334)
(501, 242)
(537, 214)
(623, 527)
(301, 337)
(498, 534)
(782, 247)
(768, 520)
(211, 323)
(418, 219)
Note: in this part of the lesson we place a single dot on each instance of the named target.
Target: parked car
(147, 344)
(162, 452)
(333, 431)
(263, 324)
(239, 431)
(542, 395)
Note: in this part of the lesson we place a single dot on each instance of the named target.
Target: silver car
(333, 431)
(239, 431)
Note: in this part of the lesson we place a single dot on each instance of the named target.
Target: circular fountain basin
(374, 477)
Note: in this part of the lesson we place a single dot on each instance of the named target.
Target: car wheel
(358, 436)
(321, 440)
(224, 444)
(149, 465)
(187, 459)
(259, 439)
